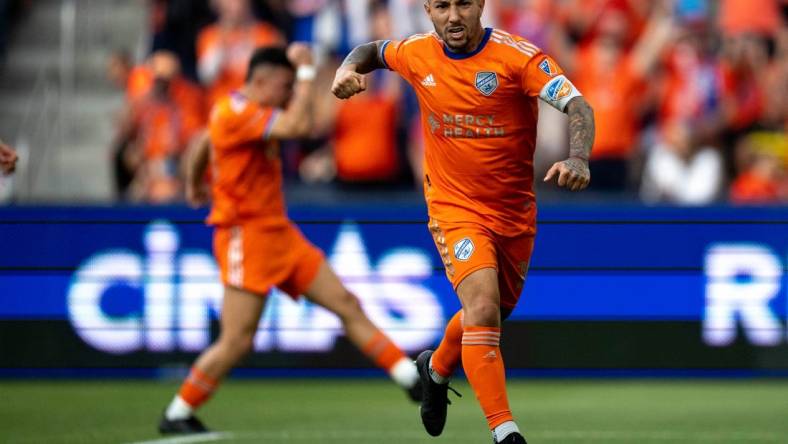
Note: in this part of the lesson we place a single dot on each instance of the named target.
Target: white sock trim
(178, 409)
(437, 377)
(502, 431)
(404, 373)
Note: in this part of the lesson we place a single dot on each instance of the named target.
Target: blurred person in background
(174, 26)
(255, 244)
(366, 154)
(8, 159)
(224, 48)
(684, 167)
(161, 118)
(614, 79)
(679, 172)
(762, 158)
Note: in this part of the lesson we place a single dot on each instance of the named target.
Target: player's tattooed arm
(350, 79)
(573, 173)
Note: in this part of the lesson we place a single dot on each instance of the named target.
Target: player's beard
(459, 39)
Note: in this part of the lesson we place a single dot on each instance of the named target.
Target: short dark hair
(268, 55)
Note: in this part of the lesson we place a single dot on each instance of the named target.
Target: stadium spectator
(679, 172)
(8, 158)
(762, 159)
(224, 48)
(174, 27)
(615, 80)
(362, 155)
(155, 130)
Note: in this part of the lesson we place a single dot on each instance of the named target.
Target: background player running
(478, 91)
(255, 244)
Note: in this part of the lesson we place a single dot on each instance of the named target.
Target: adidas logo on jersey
(429, 81)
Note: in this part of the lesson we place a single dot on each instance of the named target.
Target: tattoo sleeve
(365, 57)
(581, 128)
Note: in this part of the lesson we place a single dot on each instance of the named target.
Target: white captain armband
(558, 92)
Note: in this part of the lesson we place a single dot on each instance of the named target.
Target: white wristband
(306, 73)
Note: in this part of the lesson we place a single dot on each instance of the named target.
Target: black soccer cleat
(434, 397)
(185, 426)
(513, 438)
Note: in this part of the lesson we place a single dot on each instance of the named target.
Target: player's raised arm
(363, 59)
(8, 158)
(297, 120)
(573, 173)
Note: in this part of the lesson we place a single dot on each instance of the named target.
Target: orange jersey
(246, 168)
(479, 112)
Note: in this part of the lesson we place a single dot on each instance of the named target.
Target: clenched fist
(348, 83)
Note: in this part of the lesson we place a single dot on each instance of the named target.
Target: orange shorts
(466, 247)
(255, 258)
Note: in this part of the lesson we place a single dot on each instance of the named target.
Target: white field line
(560, 436)
(189, 439)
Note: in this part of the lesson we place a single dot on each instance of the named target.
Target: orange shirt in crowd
(188, 97)
(751, 188)
(139, 82)
(237, 46)
(755, 16)
(246, 167)
(615, 93)
(479, 112)
(160, 131)
(365, 138)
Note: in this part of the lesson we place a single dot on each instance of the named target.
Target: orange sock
(447, 356)
(483, 364)
(384, 353)
(197, 388)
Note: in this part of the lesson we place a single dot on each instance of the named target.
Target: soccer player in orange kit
(8, 158)
(478, 91)
(256, 245)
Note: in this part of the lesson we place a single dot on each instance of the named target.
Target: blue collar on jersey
(465, 55)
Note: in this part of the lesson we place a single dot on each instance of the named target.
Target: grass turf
(374, 411)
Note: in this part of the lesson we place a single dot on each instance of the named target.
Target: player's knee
(237, 344)
(483, 313)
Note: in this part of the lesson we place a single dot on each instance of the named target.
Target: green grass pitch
(374, 411)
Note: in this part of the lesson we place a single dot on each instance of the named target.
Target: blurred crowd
(690, 96)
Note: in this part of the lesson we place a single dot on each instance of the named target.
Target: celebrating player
(477, 89)
(8, 159)
(256, 245)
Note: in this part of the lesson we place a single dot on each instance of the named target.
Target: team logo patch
(463, 249)
(486, 82)
(559, 89)
(548, 68)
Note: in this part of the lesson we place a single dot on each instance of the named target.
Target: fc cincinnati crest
(463, 249)
(486, 82)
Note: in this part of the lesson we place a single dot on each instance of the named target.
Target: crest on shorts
(486, 82)
(463, 249)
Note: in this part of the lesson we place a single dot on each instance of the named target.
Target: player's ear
(427, 6)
